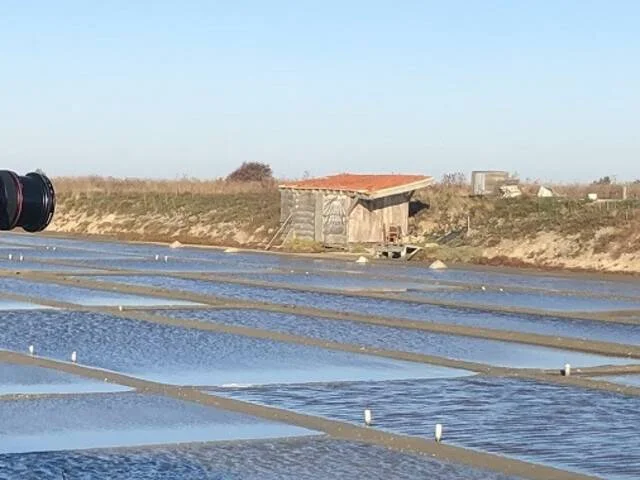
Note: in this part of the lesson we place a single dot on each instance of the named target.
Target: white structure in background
(544, 192)
(510, 191)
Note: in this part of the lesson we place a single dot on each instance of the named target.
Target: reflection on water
(403, 270)
(12, 305)
(338, 282)
(580, 430)
(536, 300)
(123, 419)
(14, 266)
(398, 309)
(24, 379)
(630, 380)
(81, 296)
(186, 356)
(301, 458)
(504, 354)
(172, 264)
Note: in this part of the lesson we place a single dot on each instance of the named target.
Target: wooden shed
(347, 208)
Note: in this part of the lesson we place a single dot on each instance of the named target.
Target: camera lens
(26, 201)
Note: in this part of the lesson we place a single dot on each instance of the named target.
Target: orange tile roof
(367, 184)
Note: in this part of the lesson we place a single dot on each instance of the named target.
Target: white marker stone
(74, 357)
(31, 349)
(438, 432)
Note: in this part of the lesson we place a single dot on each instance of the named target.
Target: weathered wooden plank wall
(328, 217)
(334, 218)
(369, 218)
(304, 214)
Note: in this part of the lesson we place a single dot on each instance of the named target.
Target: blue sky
(548, 89)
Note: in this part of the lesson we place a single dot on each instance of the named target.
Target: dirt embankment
(541, 232)
(239, 219)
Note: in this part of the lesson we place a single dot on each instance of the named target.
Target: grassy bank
(564, 232)
(215, 213)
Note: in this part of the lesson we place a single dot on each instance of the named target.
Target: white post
(367, 417)
(74, 357)
(31, 349)
(567, 370)
(438, 432)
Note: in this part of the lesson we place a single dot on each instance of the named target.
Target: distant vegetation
(252, 172)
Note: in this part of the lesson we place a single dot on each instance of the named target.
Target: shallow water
(535, 300)
(123, 419)
(337, 282)
(582, 329)
(6, 304)
(186, 356)
(81, 296)
(41, 253)
(546, 282)
(521, 419)
(172, 264)
(504, 354)
(531, 299)
(549, 282)
(15, 266)
(630, 380)
(399, 269)
(282, 459)
(25, 379)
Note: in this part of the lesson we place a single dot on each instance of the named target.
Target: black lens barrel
(26, 201)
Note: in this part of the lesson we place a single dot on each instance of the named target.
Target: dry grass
(192, 211)
(116, 186)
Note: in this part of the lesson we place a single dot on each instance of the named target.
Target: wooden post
(273, 239)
